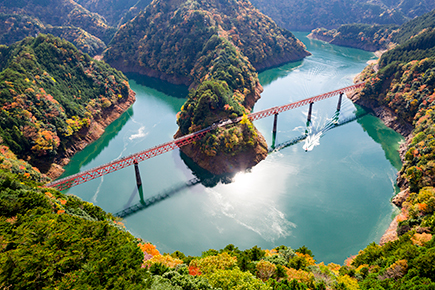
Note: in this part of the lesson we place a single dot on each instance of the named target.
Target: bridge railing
(81, 177)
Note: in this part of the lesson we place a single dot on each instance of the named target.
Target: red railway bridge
(134, 159)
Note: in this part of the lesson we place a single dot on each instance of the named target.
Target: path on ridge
(82, 177)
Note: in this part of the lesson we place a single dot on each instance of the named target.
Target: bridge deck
(81, 177)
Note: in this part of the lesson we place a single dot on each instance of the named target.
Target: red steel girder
(115, 165)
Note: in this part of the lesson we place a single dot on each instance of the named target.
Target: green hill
(167, 38)
(312, 14)
(375, 37)
(60, 13)
(111, 10)
(54, 98)
(215, 48)
(15, 27)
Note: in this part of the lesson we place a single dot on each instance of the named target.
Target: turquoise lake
(333, 198)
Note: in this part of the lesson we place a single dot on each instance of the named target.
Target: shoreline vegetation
(55, 100)
(55, 97)
(216, 49)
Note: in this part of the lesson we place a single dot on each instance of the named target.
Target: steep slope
(215, 48)
(54, 100)
(363, 36)
(14, 27)
(311, 14)
(111, 10)
(134, 11)
(403, 90)
(375, 37)
(165, 40)
(61, 13)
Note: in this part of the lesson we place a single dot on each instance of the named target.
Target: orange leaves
(299, 275)
(309, 260)
(194, 271)
(421, 239)
(149, 249)
(166, 260)
(46, 141)
(270, 253)
(422, 207)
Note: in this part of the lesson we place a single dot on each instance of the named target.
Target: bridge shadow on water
(333, 123)
(208, 179)
(202, 176)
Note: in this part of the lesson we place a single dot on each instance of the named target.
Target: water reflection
(269, 76)
(386, 137)
(84, 157)
(178, 91)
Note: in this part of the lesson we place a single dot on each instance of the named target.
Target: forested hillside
(50, 240)
(375, 37)
(405, 83)
(404, 88)
(167, 38)
(215, 48)
(15, 27)
(111, 10)
(55, 99)
(308, 15)
(59, 13)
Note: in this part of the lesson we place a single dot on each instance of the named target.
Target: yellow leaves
(270, 253)
(333, 267)
(245, 120)
(425, 194)
(46, 141)
(421, 239)
(299, 275)
(351, 283)
(166, 260)
(212, 263)
(310, 260)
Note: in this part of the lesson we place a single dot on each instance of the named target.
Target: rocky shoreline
(391, 120)
(346, 43)
(90, 134)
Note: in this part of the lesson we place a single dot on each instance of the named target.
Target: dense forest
(15, 27)
(312, 14)
(167, 39)
(51, 96)
(375, 37)
(215, 47)
(60, 13)
(50, 240)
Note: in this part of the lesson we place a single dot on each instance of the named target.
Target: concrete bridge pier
(309, 113)
(339, 102)
(275, 123)
(136, 170)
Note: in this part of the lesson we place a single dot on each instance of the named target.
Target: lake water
(333, 198)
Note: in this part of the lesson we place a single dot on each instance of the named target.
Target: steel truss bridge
(82, 177)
